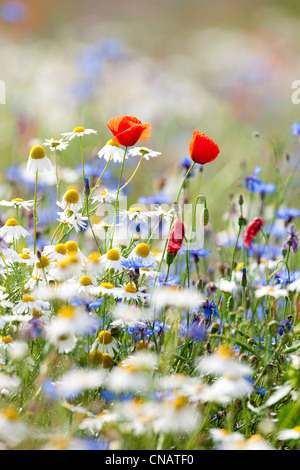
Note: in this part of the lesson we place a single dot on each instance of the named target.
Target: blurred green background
(222, 67)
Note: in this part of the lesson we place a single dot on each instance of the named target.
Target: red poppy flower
(252, 230)
(176, 237)
(128, 130)
(203, 149)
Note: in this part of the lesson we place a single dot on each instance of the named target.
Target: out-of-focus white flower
(75, 381)
(134, 373)
(28, 304)
(289, 434)
(223, 362)
(227, 286)
(273, 291)
(18, 350)
(181, 298)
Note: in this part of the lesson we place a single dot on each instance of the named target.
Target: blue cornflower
(137, 262)
(14, 12)
(208, 308)
(284, 325)
(159, 198)
(255, 185)
(285, 278)
(296, 128)
(288, 214)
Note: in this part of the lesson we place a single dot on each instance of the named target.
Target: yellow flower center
(144, 150)
(12, 223)
(7, 339)
(225, 432)
(141, 345)
(10, 413)
(72, 248)
(113, 255)
(61, 249)
(94, 257)
(113, 144)
(67, 311)
(28, 298)
(107, 361)
(239, 266)
(17, 199)
(296, 428)
(106, 285)
(145, 269)
(130, 288)
(96, 357)
(37, 152)
(85, 281)
(25, 256)
(36, 313)
(78, 129)
(142, 250)
(135, 209)
(43, 263)
(224, 351)
(71, 196)
(105, 337)
(180, 402)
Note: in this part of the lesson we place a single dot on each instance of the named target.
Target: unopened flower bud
(205, 217)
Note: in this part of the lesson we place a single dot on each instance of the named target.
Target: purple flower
(292, 240)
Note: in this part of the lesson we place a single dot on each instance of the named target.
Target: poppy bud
(205, 217)
(176, 239)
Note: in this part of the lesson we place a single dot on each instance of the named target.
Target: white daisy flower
(25, 257)
(95, 424)
(56, 252)
(105, 343)
(112, 259)
(295, 286)
(130, 292)
(38, 161)
(86, 285)
(289, 434)
(106, 288)
(12, 430)
(142, 250)
(223, 362)
(135, 373)
(226, 389)
(76, 381)
(28, 304)
(17, 203)
(70, 202)
(136, 213)
(112, 151)
(227, 286)
(273, 291)
(56, 144)
(147, 153)
(78, 132)
(104, 196)
(4, 303)
(177, 416)
(12, 231)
